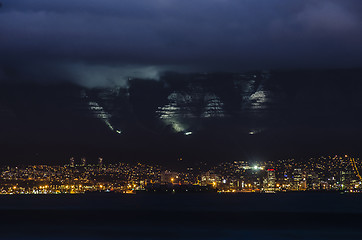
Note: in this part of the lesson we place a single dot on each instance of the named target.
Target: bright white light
(118, 131)
(255, 131)
(256, 167)
(108, 124)
(188, 133)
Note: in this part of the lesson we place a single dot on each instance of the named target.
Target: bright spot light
(251, 133)
(118, 131)
(188, 133)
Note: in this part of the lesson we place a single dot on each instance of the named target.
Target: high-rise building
(312, 181)
(298, 180)
(270, 180)
(100, 162)
(83, 161)
(71, 162)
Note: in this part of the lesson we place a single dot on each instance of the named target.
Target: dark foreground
(203, 216)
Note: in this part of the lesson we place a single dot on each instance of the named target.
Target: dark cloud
(113, 39)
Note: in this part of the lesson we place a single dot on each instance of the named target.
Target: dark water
(197, 216)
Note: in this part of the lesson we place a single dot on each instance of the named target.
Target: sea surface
(182, 216)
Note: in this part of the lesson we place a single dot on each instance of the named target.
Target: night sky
(309, 46)
(98, 43)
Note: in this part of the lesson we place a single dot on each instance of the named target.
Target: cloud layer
(77, 39)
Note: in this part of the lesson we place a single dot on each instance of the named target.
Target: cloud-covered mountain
(199, 117)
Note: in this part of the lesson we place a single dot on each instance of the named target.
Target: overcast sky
(103, 42)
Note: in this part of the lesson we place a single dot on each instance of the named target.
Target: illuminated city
(315, 174)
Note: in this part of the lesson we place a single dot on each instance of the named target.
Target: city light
(314, 174)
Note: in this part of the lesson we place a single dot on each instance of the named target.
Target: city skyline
(328, 174)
